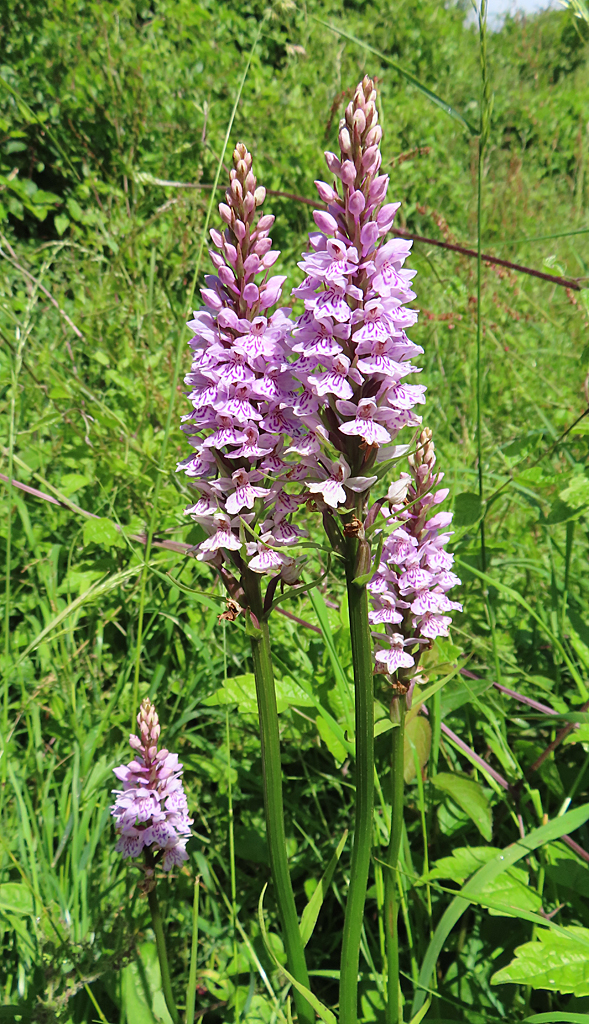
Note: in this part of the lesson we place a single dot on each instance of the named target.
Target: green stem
(160, 941)
(273, 806)
(391, 903)
(362, 662)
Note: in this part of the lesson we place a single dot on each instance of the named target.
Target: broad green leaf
(311, 911)
(141, 989)
(563, 825)
(333, 744)
(577, 493)
(16, 898)
(554, 962)
(460, 691)
(467, 509)
(241, 690)
(509, 893)
(72, 482)
(104, 532)
(418, 737)
(326, 1015)
(469, 796)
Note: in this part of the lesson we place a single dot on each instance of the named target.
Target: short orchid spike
(151, 811)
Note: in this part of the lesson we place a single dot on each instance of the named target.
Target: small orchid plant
(291, 417)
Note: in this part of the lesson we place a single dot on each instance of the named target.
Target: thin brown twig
(12, 259)
(563, 282)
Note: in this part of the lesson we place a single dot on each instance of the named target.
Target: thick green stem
(391, 900)
(160, 941)
(272, 780)
(362, 662)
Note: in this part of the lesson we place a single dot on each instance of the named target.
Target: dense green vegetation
(101, 104)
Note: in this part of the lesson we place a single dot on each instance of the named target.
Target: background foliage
(101, 104)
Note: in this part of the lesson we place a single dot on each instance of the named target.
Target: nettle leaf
(508, 892)
(103, 532)
(470, 797)
(555, 961)
(467, 509)
(418, 738)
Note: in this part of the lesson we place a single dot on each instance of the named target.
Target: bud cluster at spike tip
(246, 406)
(150, 810)
(354, 354)
(408, 592)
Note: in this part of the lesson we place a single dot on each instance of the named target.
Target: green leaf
(467, 509)
(61, 223)
(460, 691)
(311, 911)
(72, 482)
(563, 825)
(16, 898)
(554, 961)
(418, 737)
(326, 1015)
(141, 989)
(333, 744)
(104, 532)
(509, 893)
(577, 493)
(241, 690)
(554, 1017)
(469, 796)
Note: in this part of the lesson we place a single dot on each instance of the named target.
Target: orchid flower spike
(354, 354)
(246, 410)
(151, 811)
(409, 591)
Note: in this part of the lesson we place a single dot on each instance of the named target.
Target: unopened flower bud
(333, 163)
(348, 173)
(135, 742)
(374, 136)
(217, 237)
(242, 169)
(249, 204)
(356, 203)
(239, 230)
(359, 121)
(249, 183)
(265, 222)
(225, 212)
(397, 492)
(326, 193)
(260, 195)
(344, 141)
(349, 118)
(236, 189)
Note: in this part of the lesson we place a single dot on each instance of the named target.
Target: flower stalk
(160, 940)
(391, 900)
(364, 794)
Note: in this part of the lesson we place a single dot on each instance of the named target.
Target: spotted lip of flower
(151, 811)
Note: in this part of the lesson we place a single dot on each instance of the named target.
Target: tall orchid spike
(409, 591)
(245, 406)
(353, 350)
(151, 810)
